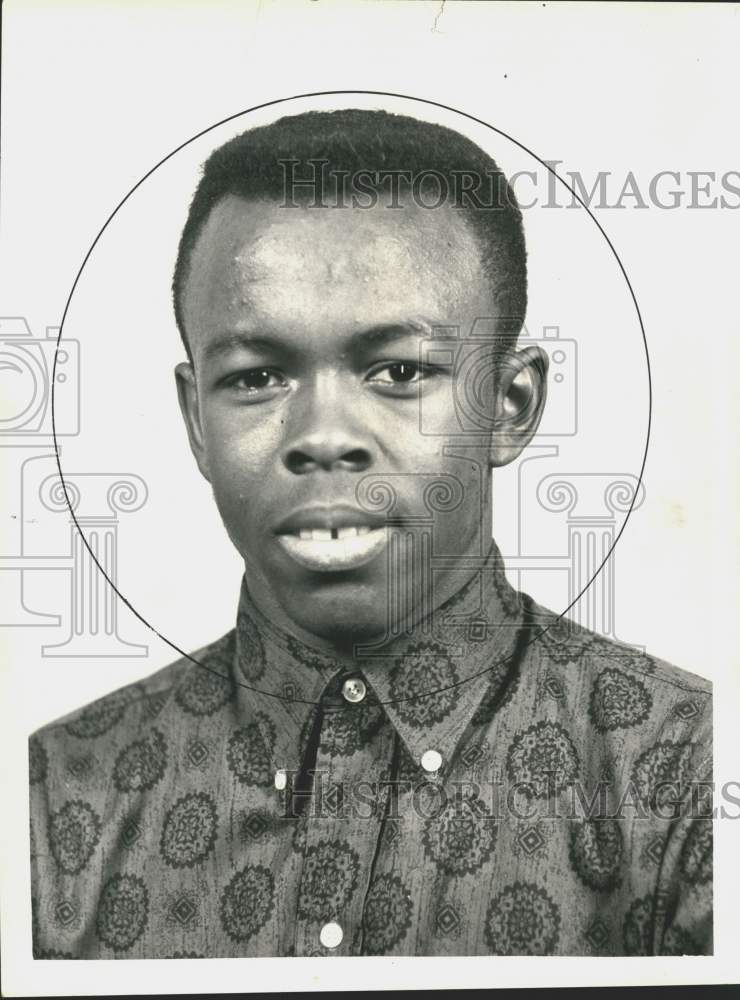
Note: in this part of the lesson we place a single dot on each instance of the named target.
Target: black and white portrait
(350, 403)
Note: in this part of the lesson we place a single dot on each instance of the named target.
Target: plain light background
(96, 94)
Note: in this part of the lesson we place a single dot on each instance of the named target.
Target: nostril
(358, 458)
(299, 462)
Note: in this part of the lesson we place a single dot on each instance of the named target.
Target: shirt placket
(344, 821)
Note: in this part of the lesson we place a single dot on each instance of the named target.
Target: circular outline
(332, 93)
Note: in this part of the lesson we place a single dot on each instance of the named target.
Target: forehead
(257, 263)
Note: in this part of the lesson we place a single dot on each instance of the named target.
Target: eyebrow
(379, 335)
(230, 341)
(385, 333)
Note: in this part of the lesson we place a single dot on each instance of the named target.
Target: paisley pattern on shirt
(248, 756)
(618, 701)
(251, 649)
(38, 761)
(596, 852)
(543, 759)
(102, 715)
(522, 920)
(677, 941)
(74, 833)
(561, 640)
(660, 771)
(205, 689)
(423, 684)
(387, 914)
(459, 839)
(160, 827)
(189, 830)
(502, 687)
(637, 925)
(123, 912)
(696, 856)
(247, 902)
(331, 872)
(349, 728)
(141, 764)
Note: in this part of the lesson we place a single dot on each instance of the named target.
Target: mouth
(332, 539)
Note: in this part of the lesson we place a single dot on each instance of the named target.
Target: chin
(358, 614)
(342, 632)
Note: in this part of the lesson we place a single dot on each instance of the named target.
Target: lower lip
(337, 553)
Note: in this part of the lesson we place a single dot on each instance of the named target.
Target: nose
(326, 437)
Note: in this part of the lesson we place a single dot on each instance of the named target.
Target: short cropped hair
(374, 145)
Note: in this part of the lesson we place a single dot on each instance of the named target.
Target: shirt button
(331, 935)
(281, 780)
(431, 760)
(354, 690)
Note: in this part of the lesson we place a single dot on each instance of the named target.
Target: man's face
(305, 328)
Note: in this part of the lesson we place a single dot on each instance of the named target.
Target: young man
(393, 752)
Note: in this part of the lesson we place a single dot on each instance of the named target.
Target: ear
(521, 390)
(187, 394)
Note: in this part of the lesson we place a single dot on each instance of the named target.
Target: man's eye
(397, 373)
(256, 380)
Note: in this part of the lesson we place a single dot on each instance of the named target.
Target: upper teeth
(327, 534)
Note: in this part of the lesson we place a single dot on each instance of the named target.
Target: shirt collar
(450, 667)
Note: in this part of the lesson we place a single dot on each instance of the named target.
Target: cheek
(466, 458)
(242, 456)
(241, 438)
(463, 475)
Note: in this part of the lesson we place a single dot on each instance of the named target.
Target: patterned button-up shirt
(496, 781)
